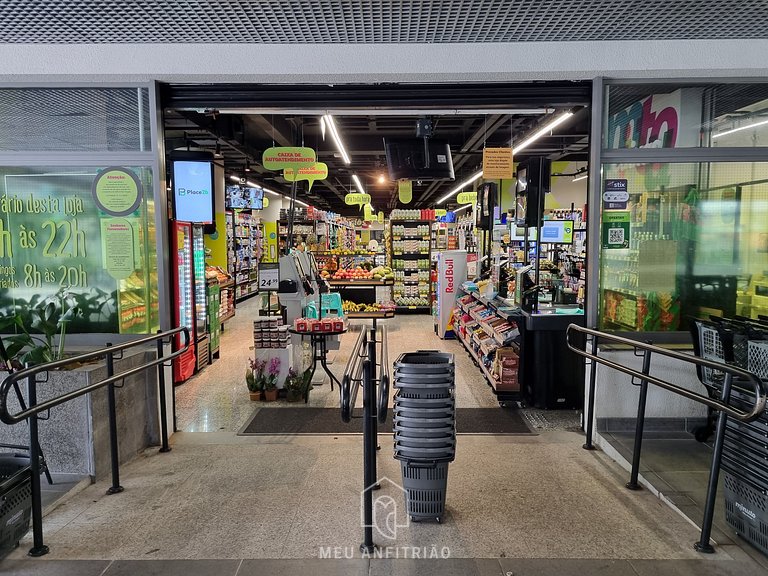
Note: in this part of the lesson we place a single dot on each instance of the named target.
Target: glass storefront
(686, 234)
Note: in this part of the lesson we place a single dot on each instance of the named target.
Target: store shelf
(227, 284)
(406, 308)
(491, 380)
(340, 283)
(411, 253)
(381, 314)
(227, 316)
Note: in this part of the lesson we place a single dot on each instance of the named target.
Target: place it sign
(288, 157)
(359, 199)
(615, 194)
(497, 163)
(405, 191)
(467, 198)
(316, 171)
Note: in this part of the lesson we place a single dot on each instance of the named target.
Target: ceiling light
(358, 184)
(300, 203)
(458, 188)
(235, 178)
(462, 208)
(372, 110)
(740, 128)
(336, 138)
(541, 131)
(582, 177)
(382, 179)
(247, 166)
(268, 191)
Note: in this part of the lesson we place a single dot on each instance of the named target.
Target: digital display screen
(256, 198)
(557, 231)
(193, 191)
(244, 197)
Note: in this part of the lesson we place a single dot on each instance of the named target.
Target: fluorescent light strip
(358, 184)
(462, 208)
(739, 129)
(543, 130)
(458, 188)
(336, 138)
(580, 178)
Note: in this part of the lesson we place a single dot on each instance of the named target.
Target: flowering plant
(254, 374)
(270, 383)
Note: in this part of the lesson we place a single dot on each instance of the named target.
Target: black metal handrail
(722, 406)
(352, 376)
(109, 354)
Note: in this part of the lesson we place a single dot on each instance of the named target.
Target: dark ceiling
(193, 117)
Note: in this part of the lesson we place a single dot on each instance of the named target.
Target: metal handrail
(354, 364)
(383, 400)
(760, 388)
(31, 413)
(722, 405)
(32, 371)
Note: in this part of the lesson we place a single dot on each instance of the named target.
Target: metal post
(38, 548)
(374, 434)
(591, 397)
(703, 544)
(115, 488)
(163, 406)
(632, 484)
(369, 460)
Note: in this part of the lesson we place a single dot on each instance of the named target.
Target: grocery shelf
(227, 284)
(491, 380)
(227, 316)
(378, 315)
(338, 283)
(404, 308)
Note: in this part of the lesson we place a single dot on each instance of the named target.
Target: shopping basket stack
(425, 429)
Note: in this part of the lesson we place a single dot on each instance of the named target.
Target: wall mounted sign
(288, 157)
(118, 243)
(405, 191)
(117, 191)
(615, 194)
(615, 230)
(497, 163)
(359, 199)
(316, 171)
(467, 198)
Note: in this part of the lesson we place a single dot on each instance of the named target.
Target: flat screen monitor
(557, 232)
(193, 191)
(419, 159)
(255, 198)
(521, 196)
(237, 197)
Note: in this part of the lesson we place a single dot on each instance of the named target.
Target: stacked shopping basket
(425, 429)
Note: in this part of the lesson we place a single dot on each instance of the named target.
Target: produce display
(349, 306)
(363, 272)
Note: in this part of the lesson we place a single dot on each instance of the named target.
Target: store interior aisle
(217, 399)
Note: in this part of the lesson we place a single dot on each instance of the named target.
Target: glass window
(75, 119)
(85, 234)
(686, 116)
(691, 240)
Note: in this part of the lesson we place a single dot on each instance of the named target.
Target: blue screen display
(193, 191)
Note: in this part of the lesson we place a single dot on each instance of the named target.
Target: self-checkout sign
(269, 277)
(615, 194)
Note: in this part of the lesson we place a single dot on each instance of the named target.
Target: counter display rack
(484, 328)
(410, 256)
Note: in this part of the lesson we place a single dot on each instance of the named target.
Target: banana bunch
(348, 306)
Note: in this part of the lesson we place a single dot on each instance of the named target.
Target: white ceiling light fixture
(331, 124)
(300, 203)
(268, 191)
(358, 184)
(548, 127)
(458, 188)
(740, 128)
(582, 177)
(462, 208)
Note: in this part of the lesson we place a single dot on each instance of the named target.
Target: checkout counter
(551, 376)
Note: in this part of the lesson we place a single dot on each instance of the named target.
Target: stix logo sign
(449, 276)
(650, 123)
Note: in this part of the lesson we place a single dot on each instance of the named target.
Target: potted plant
(294, 386)
(270, 382)
(254, 377)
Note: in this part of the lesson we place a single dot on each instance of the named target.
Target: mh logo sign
(652, 122)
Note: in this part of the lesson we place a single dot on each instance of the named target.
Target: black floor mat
(328, 421)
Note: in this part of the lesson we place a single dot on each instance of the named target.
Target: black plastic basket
(15, 500)
(424, 362)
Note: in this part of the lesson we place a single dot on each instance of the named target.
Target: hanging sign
(269, 277)
(467, 198)
(359, 199)
(615, 194)
(380, 217)
(288, 157)
(265, 202)
(615, 230)
(440, 212)
(316, 171)
(367, 213)
(405, 191)
(497, 163)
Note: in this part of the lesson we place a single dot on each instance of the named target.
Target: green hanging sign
(288, 157)
(380, 217)
(316, 171)
(367, 213)
(441, 212)
(405, 191)
(359, 199)
(467, 198)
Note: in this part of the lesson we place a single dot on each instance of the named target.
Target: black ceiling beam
(384, 96)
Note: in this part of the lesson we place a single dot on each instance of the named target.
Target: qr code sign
(616, 236)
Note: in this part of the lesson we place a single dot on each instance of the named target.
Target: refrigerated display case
(451, 272)
(202, 340)
(184, 298)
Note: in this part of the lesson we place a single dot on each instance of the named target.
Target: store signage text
(359, 199)
(282, 157)
(497, 163)
(310, 173)
(615, 194)
(653, 122)
(467, 198)
(449, 276)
